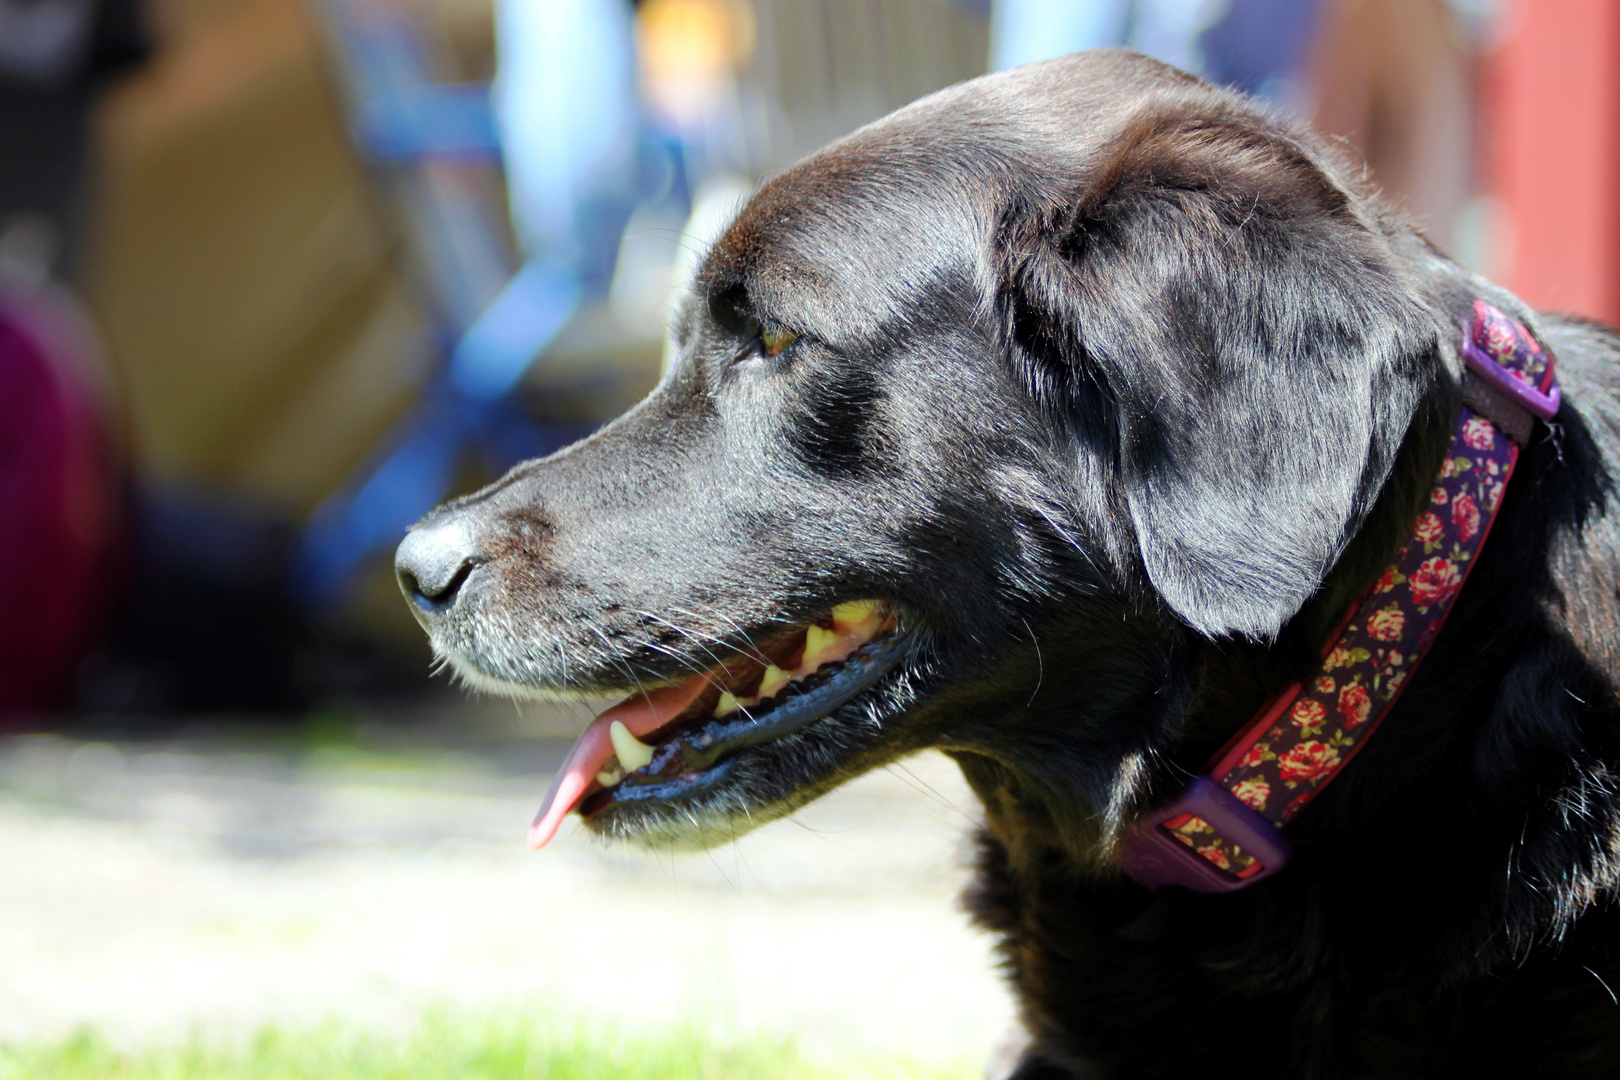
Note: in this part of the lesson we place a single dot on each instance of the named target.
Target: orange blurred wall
(1551, 133)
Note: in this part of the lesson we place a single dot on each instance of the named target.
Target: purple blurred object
(58, 501)
(1256, 45)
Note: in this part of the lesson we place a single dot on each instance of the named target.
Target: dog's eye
(773, 340)
(762, 340)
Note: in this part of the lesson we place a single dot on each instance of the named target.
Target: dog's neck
(1222, 684)
(1488, 840)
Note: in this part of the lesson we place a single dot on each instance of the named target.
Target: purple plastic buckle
(1500, 378)
(1156, 859)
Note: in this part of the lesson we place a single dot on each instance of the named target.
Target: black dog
(1116, 393)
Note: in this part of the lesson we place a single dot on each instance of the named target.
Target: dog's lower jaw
(770, 781)
(718, 815)
(714, 778)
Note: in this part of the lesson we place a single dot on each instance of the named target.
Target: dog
(1055, 421)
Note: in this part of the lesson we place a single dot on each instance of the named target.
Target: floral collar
(1223, 833)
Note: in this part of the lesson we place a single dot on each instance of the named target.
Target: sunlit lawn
(446, 1047)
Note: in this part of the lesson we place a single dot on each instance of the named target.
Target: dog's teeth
(817, 644)
(609, 777)
(633, 753)
(726, 705)
(775, 678)
(820, 648)
(849, 616)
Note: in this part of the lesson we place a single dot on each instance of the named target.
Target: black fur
(1121, 389)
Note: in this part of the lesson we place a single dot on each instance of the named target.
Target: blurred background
(277, 276)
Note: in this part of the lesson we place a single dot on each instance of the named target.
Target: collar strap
(1224, 831)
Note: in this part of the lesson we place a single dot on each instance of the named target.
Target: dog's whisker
(610, 655)
(695, 639)
(687, 663)
(920, 785)
(748, 648)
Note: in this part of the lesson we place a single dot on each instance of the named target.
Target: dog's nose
(433, 562)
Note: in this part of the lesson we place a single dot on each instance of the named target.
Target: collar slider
(1164, 847)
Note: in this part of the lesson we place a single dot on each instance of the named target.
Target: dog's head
(984, 417)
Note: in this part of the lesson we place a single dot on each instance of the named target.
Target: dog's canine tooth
(818, 642)
(633, 753)
(775, 678)
(727, 704)
(610, 776)
(851, 614)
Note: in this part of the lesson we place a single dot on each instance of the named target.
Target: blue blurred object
(1024, 31)
(426, 449)
(396, 111)
(566, 104)
(565, 116)
(496, 350)
(1254, 45)
(428, 121)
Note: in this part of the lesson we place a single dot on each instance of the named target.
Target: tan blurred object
(688, 51)
(1394, 80)
(465, 32)
(830, 66)
(249, 285)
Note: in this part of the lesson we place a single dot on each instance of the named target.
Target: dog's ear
(1236, 344)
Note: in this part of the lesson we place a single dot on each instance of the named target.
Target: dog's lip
(695, 739)
(695, 750)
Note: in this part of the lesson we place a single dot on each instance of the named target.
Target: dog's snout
(433, 562)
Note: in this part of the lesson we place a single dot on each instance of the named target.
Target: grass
(441, 1047)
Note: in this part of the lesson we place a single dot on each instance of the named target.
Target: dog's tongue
(643, 714)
